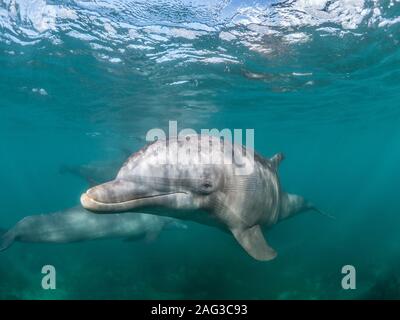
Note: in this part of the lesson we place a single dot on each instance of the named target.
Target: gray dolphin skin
(77, 224)
(217, 193)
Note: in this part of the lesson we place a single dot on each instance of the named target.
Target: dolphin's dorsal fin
(253, 241)
(277, 159)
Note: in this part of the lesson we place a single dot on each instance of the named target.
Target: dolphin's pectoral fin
(134, 238)
(152, 235)
(277, 159)
(253, 241)
(148, 237)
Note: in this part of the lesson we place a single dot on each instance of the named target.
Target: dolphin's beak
(104, 197)
(120, 196)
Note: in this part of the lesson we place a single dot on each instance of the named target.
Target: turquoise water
(83, 81)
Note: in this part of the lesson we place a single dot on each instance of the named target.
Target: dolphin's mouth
(121, 196)
(97, 206)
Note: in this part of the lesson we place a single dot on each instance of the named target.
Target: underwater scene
(83, 82)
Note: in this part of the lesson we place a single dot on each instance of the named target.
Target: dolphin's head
(144, 185)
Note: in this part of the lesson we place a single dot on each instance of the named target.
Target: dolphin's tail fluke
(322, 212)
(292, 204)
(6, 239)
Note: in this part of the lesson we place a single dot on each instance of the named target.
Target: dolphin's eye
(207, 185)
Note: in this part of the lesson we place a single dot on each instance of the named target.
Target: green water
(82, 81)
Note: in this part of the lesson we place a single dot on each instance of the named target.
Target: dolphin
(96, 172)
(176, 173)
(77, 224)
